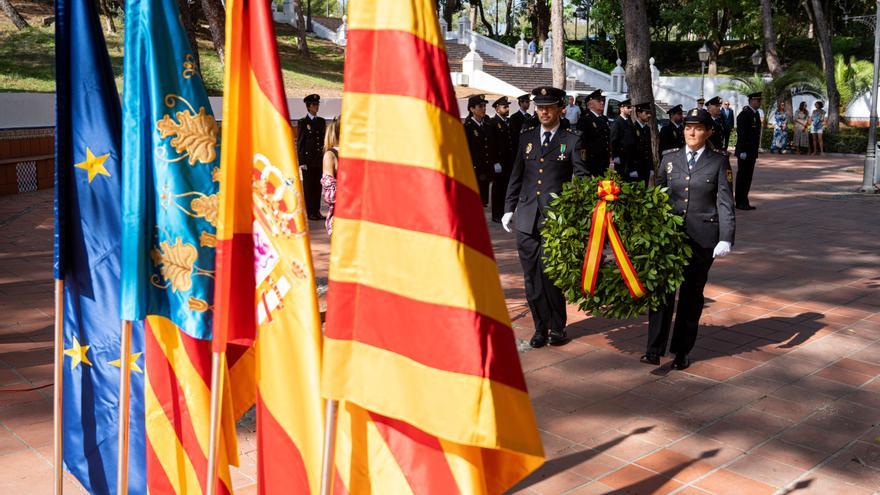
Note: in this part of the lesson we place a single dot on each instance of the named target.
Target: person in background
(572, 112)
(802, 129)
(522, 119)
(621, 137)
(672, 134)
(748, 140)
(596, 134)
(505, 147)
(309, 149)
(698, 181)
(717, 137)
(727, 117)
(817, 125)
(780, 129)
(641, 167)
(481, 144)
(533, 52)
(330, 164)
(701, 103)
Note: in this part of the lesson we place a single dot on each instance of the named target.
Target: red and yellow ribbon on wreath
(603, 222)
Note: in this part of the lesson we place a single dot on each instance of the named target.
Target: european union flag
(88, 227)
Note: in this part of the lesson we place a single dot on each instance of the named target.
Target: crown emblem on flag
(277, 199)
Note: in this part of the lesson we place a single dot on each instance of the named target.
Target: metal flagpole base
(124, 406)
(58, 393)
(327, 466)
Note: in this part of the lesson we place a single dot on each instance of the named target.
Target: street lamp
(756, 60)
(703, 53)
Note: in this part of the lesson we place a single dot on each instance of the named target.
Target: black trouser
(546, 301)
(499, 193)
(690, 307)
(483, 181)
(312, 188)
(744, 171)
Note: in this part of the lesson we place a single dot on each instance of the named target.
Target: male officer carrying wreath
(547, 157)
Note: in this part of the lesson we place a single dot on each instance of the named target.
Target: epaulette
(573, 130)
(527, 129)
(671, 150)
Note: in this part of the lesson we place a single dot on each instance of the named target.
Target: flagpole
(329, 447)
(218, 359)
(124, 401)
(58, 393)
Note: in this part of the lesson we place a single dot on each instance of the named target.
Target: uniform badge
(638, 133)
(669, 168)
(584, 154)
(528, 148)
(595, 126)
(476, 133)
(729, 175)
(309, 127)
(544, 91)
(499, 125)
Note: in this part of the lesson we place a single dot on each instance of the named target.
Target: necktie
(547, 135)
(692, 160)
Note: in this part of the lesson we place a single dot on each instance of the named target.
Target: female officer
(699, 182)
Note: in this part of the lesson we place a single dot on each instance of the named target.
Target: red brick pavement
(784, 396)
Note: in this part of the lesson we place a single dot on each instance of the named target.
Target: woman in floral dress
(802, 128)
(780, 131)
(328, 178)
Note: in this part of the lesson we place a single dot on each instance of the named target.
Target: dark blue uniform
(483, 153)
(310, 151)
(671, 137)
(596, 135)
(505, 145)
(748, 140)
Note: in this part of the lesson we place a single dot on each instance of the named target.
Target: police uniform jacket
(596, 136)
(702, 195)
(748, 133)
(621, 140)
(717, 137)
(310, 141)
(483, 153)
(671, 136)
(539, 171)
(505, 142)
(520, 122)
(642, 161)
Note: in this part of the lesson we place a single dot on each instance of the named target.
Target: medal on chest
(528, 148)
(309, 127)
(561, 152)
(669, 168)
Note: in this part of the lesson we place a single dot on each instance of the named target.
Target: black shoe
(746, 207)
(496, 220)
(317, 217)
(559, 337)
(681, 362)
(650, 358)
(538, 340)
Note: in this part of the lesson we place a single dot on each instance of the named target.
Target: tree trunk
(12, 13)
(508, 18)
(104, 8)
(558, 45)
(540, 13)
(824, 34)
(187, 18)
(770, 40)
(309, 15)
(482, 13)
(719, 30)
(216, 17)
(450, 8)
(638, 51)
(300, 29)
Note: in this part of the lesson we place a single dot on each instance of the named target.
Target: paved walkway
(784, 396)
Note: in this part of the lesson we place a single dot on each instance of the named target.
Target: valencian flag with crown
(265, 290)
(171, 153)
(418, 343)
(87, 256)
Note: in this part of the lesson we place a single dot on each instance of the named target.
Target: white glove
(616, 160)
(722, 249)
(634, 174)
(497, 168)
(505, 221)
(742, 156)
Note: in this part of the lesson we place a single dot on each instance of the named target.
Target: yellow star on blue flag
(77, 354)
(94, 165)
(132, 362)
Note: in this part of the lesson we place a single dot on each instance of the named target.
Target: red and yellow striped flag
(418, 342)
(265, 280)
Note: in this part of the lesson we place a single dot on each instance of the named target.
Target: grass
(27, 62)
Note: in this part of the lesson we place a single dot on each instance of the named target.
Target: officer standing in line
(547, 157)
(596, 134)
(522, 119)
(641, 166)
(748, 140)
(505, 145)
(717, 137)
(481, 144)
(672, 134)
(310, 151)
(699, 181)
(621, 137)
(727, 117)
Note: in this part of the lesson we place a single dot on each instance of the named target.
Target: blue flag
(88, 227)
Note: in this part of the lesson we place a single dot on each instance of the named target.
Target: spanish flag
(265, 280)
(418, 343)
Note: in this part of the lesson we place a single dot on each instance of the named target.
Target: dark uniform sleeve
(724, 203)
(516, 177)
(662, 180)
(300, 134)
(579, 167)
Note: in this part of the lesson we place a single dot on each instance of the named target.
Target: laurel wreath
(653, 236)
